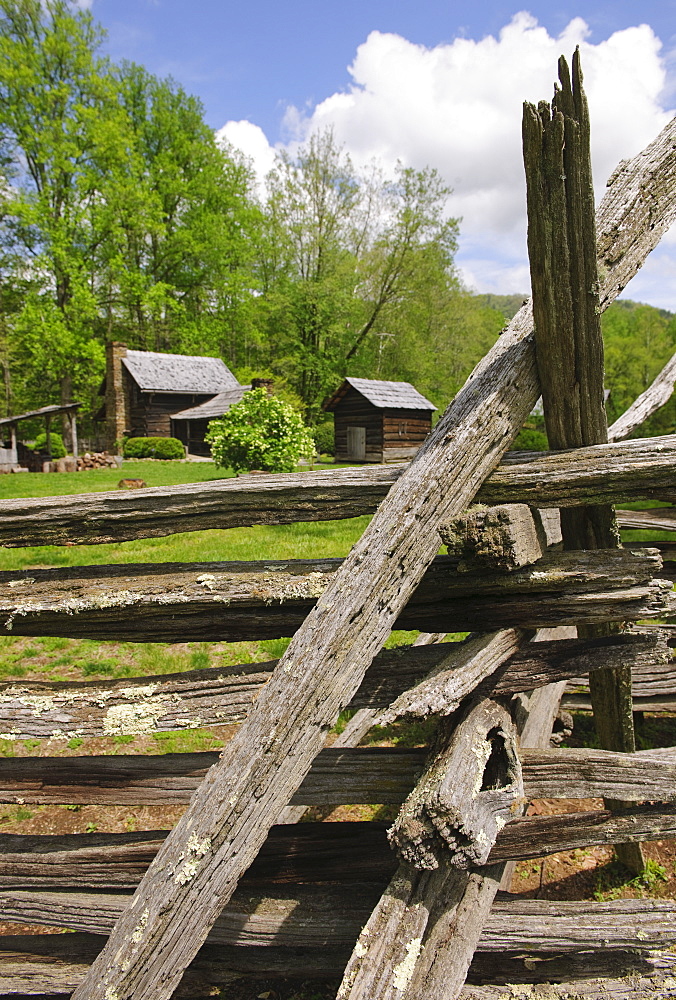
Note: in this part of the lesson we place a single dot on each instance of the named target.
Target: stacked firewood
(97, 460)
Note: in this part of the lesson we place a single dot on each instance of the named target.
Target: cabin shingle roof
(384, 395)
(213, 408)
(154, 372)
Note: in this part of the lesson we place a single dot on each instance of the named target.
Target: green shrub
(260, 432)
(325, 438)
(529, 440)
(56, 441)
(153, 447)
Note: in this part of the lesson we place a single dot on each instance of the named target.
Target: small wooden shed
(378, 421)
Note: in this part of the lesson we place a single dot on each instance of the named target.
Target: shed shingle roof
(154, 372)
(213, 408)
(384, 395)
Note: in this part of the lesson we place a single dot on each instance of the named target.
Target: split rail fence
(238, 888)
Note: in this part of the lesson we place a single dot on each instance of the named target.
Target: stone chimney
(117, 405)
(264, 383)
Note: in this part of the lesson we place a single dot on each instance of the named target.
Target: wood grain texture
(213, 697)
(639, 987)
(628, 471)
(31, 964)
(343, 775)
(178, 900)
(595, 474)
(314, 853)
(323, 916)
(657, 519)
(255, 600)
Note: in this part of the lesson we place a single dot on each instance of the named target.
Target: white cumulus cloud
(458, 106)
(251, 140)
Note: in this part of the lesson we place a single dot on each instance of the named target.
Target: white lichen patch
(74, 605)
(137, 933)
(207, 580)
(481, 749)
(138, 693)
(134, 720)
(39, 703)
(189, 723)
(196, 851)
(312, 585)
(403, 973)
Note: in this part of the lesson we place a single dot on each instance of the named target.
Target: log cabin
(377, 421)
(144, 390)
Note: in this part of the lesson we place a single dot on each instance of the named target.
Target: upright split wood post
(48, 436)
(73, 432)
(569, 346)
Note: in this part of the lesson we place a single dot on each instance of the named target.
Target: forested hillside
(122, 218)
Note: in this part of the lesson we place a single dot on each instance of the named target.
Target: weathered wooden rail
(229, 601)
(220, 896)
(643, 469)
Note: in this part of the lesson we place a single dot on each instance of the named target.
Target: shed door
(356, 443)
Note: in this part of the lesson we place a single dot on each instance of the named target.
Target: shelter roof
(44, 411)
(154, 372)
(213, 408)
(384, 395)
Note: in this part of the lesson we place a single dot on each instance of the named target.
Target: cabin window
(403, 428)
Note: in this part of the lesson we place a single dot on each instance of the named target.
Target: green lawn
(38, 484)
(60, 659)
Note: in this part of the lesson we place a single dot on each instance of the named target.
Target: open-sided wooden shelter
(379, 421)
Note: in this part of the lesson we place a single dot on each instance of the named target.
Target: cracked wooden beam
(236, 601)
(627, 471)
(471, 788)
(406, 681)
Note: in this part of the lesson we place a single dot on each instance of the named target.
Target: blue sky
(423, 82)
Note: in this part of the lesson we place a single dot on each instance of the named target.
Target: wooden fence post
(569, 346)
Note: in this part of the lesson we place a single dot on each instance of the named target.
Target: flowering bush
(260, 432)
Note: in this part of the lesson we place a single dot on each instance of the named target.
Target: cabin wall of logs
(240, 888)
